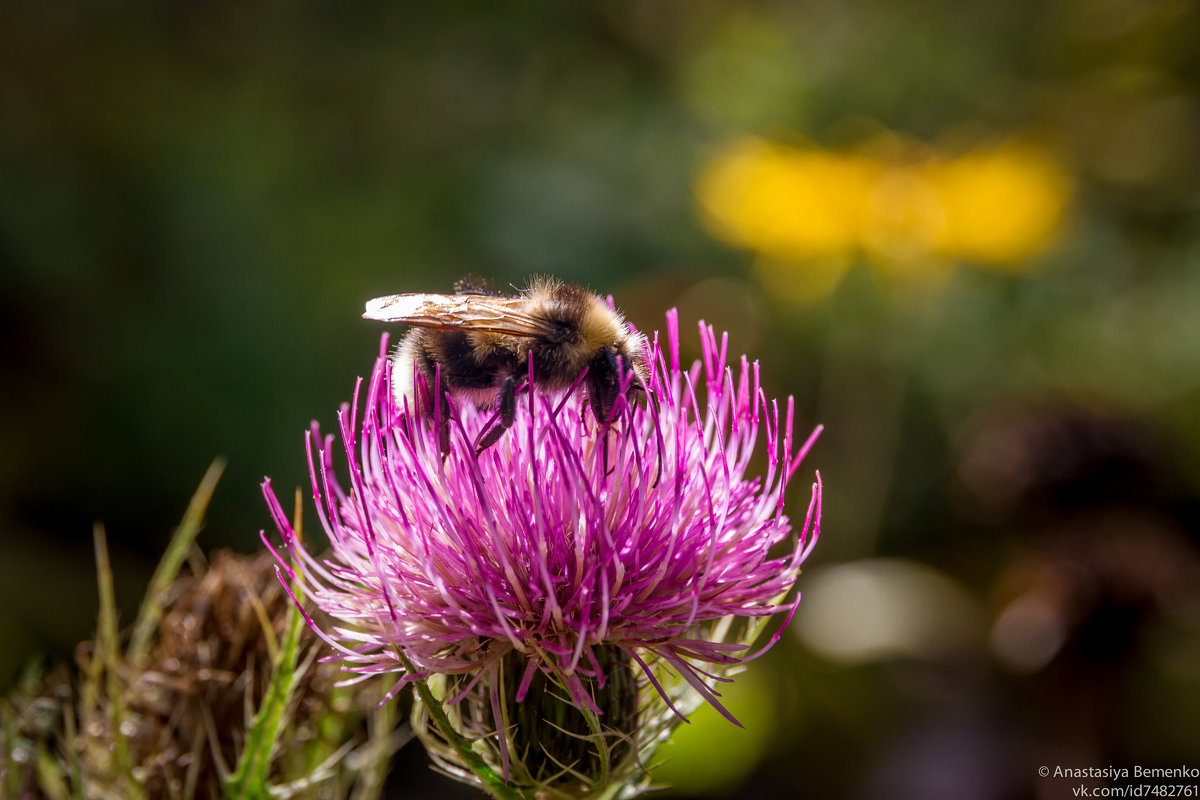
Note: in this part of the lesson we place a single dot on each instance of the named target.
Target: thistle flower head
(566, 585)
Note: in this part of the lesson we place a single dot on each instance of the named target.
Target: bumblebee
(488, 347)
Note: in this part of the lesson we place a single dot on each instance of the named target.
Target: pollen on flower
(569, 598)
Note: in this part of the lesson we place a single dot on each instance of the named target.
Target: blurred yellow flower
(785, 202)
(1002, 205)
(994, 206)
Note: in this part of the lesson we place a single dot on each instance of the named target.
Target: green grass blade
(51, 780)
(172, 560)
(384, 740)
(74, 767)
(107, 652)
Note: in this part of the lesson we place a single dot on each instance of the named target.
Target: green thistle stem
(249, 779)
(491, 779)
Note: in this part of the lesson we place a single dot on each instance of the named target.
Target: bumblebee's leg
(444, 437)
(442, 413)
(508, 413)
(508, 402)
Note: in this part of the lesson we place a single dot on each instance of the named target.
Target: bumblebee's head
(612, 374)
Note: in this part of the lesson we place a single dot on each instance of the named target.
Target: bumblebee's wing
(465, 312)
(475, 284)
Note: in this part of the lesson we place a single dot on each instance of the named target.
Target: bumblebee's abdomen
(467, 362)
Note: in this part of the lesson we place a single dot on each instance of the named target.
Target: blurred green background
(197, 198)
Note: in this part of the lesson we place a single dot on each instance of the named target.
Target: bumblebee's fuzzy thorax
(586, 323)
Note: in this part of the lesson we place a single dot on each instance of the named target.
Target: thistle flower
(573, 589)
